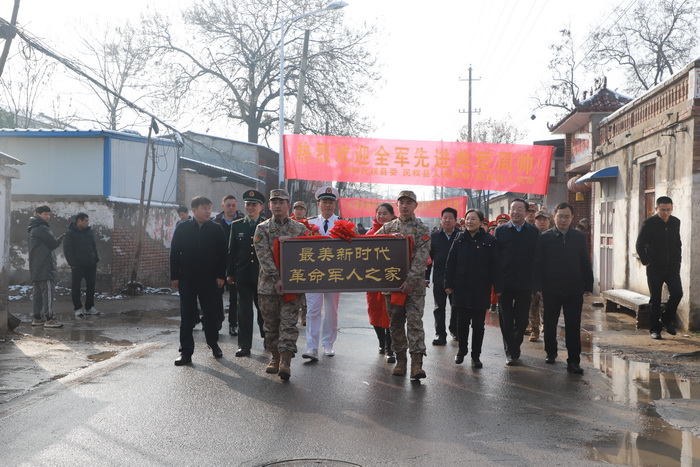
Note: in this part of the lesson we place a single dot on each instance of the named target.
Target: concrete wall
(194, 184)
(660, 128)
(6, 176)
(114, 228)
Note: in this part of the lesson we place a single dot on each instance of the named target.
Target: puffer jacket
(42, 242)
(79, 247)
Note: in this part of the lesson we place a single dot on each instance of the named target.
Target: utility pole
(470, 111)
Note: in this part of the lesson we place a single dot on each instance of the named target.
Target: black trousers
(572, 305)
(232, 304)
(656, 280)
(78, 273)
(247, 296)
(513, 318)
(440, 312)
(465, 316)
(209, 297)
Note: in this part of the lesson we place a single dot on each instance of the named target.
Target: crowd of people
(530, 264)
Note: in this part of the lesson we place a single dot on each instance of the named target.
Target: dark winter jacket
(659, 244)
(219, 219)
(471, 270)
(42, 261)
(516, 251)
(562, 265)
(79, 247)
(197, 253)
(439, 247)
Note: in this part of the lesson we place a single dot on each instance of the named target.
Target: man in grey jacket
(42, 266)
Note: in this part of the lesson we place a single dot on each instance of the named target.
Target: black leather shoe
(216, 351)
(390, 357)
(459, 359)
(670, 328)
(510, 361)
(574, 368)
(440, 341)
(243, 352)
(656, 335)
(232, 330)
(183, 360)
(550, 360)
(476, 363)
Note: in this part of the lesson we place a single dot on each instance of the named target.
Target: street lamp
(331, 6)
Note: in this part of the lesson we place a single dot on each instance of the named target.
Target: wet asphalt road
(139, 409)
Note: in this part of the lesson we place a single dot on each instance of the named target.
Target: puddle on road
(102, 356)
(65, 334)
(634, 384)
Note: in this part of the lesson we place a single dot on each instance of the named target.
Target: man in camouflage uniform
(410, 314)
(280, 316)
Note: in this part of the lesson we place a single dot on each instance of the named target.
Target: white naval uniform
(315, 302)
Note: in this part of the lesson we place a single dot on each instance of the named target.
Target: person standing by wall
(562, 274)
(42, 266)
(198, 270)
(81, 254)
(659, 249)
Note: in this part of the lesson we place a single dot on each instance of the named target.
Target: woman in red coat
(376, 304)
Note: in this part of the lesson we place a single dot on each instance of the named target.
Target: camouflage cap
(542, 213)
(299, 204)
(407, 194)
(279, 193)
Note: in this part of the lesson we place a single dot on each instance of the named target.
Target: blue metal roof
(608, 172)
(57, 133)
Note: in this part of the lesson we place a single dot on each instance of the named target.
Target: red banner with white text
(480, 166)
(353, 208)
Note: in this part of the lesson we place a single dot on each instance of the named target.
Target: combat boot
(417, 371)
(274, 365)
(285, 363)
(400, 368)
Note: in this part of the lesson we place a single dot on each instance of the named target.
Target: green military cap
(253, 195)
(407, 194)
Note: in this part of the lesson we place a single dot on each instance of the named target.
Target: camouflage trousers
(536, 311)
(406, 324)
(280, 325)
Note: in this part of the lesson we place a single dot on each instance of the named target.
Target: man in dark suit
(198, 271)
(562, 273)
(440, 243)
(242, 268)
(230, 213)
(516, 241)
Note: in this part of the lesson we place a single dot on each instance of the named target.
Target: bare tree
(651, 42)
(27, 75)
(118, 60)
(493, 130)
(562, 91)
(228, 65)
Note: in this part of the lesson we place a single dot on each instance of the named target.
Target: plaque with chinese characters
(334, 265)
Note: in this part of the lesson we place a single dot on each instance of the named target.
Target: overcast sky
(426, 49)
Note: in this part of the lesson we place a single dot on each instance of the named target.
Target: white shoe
(311, 354)
(79, 312)
(92, 311)
(328, 352)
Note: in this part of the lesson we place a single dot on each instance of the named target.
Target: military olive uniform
(281, 318)
(407, 321)
(244, 268)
